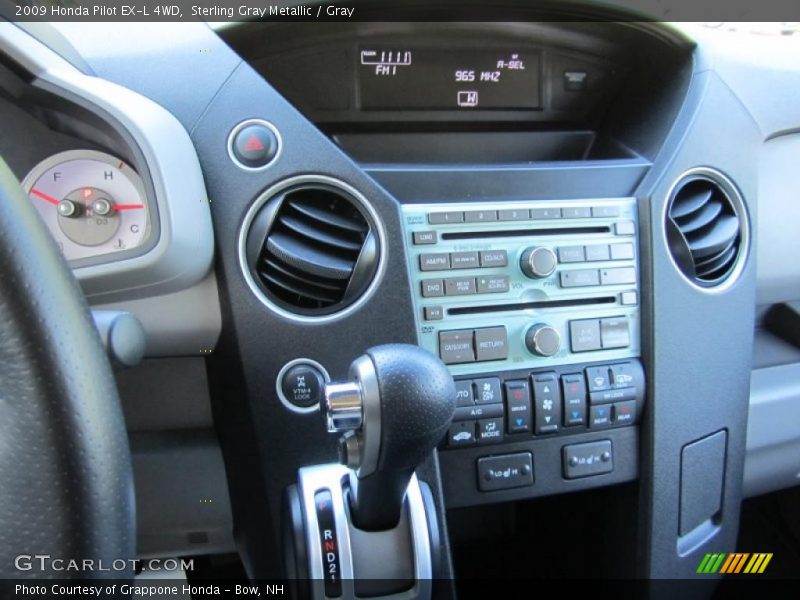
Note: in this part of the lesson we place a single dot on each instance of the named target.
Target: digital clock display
(434, 79)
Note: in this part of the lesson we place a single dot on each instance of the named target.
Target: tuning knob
(543, 340)
(538, 262)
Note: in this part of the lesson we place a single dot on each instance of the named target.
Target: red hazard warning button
(254, 144)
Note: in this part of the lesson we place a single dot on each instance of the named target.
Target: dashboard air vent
(312, 250)
(705, 229)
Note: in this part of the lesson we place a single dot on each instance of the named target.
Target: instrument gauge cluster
(93, 203)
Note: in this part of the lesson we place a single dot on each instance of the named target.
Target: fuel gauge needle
(128, 206)
(44, 196)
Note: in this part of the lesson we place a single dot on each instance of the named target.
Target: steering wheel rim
(66, 481)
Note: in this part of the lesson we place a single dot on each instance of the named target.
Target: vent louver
(311, 250)
(704, 230)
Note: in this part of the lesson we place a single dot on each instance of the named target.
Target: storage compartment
(479, 147)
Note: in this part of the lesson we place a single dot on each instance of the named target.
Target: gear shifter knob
(397, 405)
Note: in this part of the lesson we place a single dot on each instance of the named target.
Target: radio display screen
(466, 79)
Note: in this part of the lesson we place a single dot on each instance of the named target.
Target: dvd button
(432, 288)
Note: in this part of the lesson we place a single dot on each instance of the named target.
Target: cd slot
(475, 310)
(551, 231)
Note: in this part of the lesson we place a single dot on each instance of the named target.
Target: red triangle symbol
(253, 144)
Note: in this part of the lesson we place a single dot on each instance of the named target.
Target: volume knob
(538, 262)
(543, 340)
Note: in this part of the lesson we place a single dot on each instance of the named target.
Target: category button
(491, 343)
(494, 258)
(459, 286)
(464, 260)
(456, 346)
(492, 284)
(434, 262)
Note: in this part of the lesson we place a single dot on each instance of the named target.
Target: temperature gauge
(93, 203)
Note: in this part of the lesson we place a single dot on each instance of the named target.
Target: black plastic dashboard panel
(696, 345)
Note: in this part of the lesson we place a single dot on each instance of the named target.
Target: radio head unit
(514, 285)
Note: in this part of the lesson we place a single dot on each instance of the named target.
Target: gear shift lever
(395, 408)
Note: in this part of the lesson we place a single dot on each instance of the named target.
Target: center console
(534, 307)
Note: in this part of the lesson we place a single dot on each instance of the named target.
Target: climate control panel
(515, 285)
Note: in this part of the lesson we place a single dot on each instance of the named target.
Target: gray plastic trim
(739, 208)
(247, 123)
(313, 479)
(772, 460)
(376, 222)
(303, 410)
(183, 253)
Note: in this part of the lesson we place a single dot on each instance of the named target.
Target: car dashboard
(583, 221)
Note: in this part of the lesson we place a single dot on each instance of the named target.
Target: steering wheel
(66, 483)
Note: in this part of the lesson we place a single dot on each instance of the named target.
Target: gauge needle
(52, 200)
(44, 196)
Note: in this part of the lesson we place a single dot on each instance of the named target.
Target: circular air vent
(310, 247)
(706, 227)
